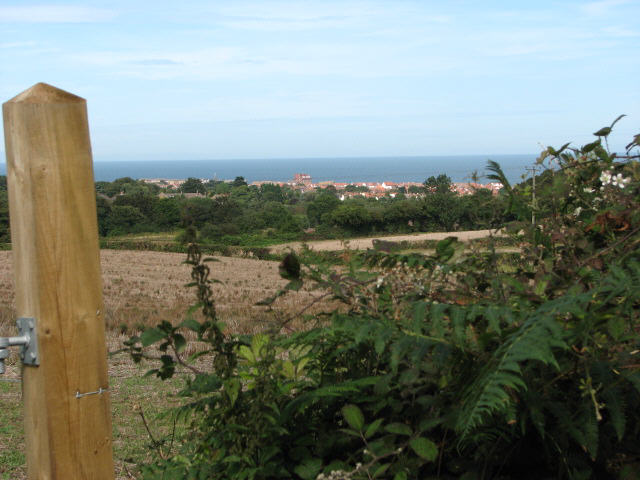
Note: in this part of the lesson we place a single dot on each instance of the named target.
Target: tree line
(238, 213)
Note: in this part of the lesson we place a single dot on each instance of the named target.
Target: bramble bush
(460, 364)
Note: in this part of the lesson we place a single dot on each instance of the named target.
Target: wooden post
(56, 255)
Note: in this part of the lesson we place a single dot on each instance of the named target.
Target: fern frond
(491, 392)
(615, 405)
(344, 389)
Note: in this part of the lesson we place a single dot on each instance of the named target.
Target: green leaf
(603, 132)
(590, 146)
(380, 342)
(399, 429)
(373, 428)
(179, 342)
(309, 469)
(400, 476)
(258, 342)
(294, 285)
(290, 267)
(616, 120)
(301, 364)
(288, 370)
(204, 383)
(381, 469)
(354, 417)
(191, 324)
(232, 389)
(445, 248)
(246, 353)
(614, 402)
(616, 327)
(425, 448)
(151, 335)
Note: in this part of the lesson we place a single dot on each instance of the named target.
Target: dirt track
(364, 243)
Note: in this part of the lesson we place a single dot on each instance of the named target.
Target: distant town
(304, 183)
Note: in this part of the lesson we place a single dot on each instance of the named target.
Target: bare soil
(364, 243)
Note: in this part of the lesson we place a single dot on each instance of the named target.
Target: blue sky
(260, 79)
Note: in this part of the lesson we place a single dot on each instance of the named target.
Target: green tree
(166, 213)
(103, 208)
(193, 185)
(239, 182)
(355, 188)
(124, 219)
(441, 208)
(278, 216)
(272, 193)
(140, 198)
(351, 216)
(222, 188)
(480, 210)
(440, 184)
(323, 204)
(197, 211)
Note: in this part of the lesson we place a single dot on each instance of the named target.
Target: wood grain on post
(54, 237)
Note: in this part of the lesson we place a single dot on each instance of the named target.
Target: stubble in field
(142, 288)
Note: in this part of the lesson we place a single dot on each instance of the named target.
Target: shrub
(470, 365)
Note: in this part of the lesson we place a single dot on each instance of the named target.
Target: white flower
(588, 190)
(605, 177)
(379, 282)
(619, 181)
(577, 212)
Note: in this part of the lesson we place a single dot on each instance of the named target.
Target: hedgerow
(461, 364)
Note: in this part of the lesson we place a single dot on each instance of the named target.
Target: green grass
(11, 435)
(131, 394)
(134, 395)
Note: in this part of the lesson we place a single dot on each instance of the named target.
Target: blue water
(362, 169)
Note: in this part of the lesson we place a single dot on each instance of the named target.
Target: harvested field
(142, 288)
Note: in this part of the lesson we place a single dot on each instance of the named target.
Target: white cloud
(54, 14)
(9, 45)
(620, 32)
(298, 16)
(349, 60)
(602, 7)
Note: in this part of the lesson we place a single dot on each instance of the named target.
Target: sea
(460, 168)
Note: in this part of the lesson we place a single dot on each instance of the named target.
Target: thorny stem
(304, 309)
(181, 361)
(154, 443)
(613, 245)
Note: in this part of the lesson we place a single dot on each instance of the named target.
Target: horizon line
(355, 157)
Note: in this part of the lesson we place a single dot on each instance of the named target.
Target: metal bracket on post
(27, 341)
